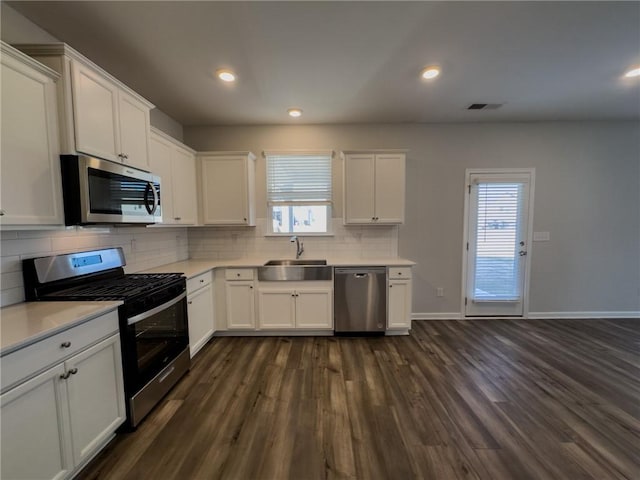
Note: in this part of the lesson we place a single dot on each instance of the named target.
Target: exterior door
(497, 242)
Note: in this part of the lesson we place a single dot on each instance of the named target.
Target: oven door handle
(153, 311)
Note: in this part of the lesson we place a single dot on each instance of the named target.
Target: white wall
(587, 196)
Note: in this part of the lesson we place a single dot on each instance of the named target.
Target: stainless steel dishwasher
(360, 300)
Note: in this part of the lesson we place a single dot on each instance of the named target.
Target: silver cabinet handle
(65, 344)
(522, 253)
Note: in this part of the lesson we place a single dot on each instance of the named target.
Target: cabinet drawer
(238, 274)
(29, 360)
(399, 272)
(198, 282)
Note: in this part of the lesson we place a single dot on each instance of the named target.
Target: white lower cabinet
(298, 306)
(240, 300)
(200, 311)
(96, 396)
(240, 306)
(35, 429)
(399, 298)
(54, 422)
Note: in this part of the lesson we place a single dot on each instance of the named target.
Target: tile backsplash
(346, 241)
(146, 248)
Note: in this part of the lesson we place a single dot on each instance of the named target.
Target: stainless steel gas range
(153, 318)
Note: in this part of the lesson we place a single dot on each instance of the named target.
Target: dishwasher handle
(361, 275)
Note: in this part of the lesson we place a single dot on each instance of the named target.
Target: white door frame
(465, 235)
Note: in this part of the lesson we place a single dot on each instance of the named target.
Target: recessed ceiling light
(430, 72)
(294, 112)
(226, 75)
(635, 72)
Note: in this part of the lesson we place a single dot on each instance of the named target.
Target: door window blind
(497, 235)
(298, 179)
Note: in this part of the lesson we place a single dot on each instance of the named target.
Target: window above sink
(299, 193)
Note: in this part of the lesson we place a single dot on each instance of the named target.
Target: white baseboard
(437, 316)
(531, 316)
(583, 315)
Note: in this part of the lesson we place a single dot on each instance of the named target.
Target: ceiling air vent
(484, 106)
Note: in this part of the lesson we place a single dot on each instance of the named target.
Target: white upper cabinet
(31, 192)
(227, 188)
(99, 115)
(134, 130)
(175, 163)
(95, 113)
(374, 187)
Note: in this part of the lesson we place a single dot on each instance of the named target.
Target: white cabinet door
(161, 165)
(30, 185)
(225, 187)
(95, 113)
(96, 396)
(314, 308)
(359, 194)
(399, 304)
(134, 131)
(276, 308)
(35, 425)
(200, 314)
(374, 188)
(240, 305)
(390, 188)
(184, 187)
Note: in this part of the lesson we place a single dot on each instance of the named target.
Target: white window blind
(497, 265)
(298, 179)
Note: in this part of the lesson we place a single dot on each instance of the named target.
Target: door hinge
(469, 189)
(467, 246)
(465, 300)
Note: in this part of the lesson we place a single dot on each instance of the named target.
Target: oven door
(153, 339)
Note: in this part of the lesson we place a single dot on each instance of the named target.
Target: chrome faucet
(299, 246)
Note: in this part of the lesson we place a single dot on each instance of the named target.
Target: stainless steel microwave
(99, 191)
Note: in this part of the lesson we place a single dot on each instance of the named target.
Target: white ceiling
(359, 62)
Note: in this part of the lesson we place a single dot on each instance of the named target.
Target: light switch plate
(541, 236)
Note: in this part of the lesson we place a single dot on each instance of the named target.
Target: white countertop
(25, 323)
(191, 268)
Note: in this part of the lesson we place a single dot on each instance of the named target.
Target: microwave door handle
(156, 199)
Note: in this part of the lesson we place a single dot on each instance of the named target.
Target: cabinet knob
(2, 212)
(201, 280)
(244, 219)
(65, 344)
(251, 287)
(237, 274)
(390, 286)
(177, 218)
(190, 302)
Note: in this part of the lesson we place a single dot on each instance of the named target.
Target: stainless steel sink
(296, 262)
(294, 270)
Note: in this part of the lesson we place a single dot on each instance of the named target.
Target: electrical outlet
(440, 292)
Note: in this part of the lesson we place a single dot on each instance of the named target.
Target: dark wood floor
(481, 399)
